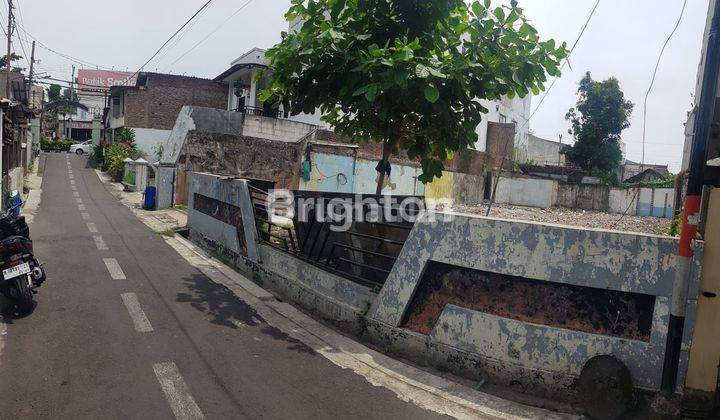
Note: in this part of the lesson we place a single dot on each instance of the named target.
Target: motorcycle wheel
(24, 300)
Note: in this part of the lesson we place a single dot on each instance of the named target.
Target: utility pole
(30, 76)
(72, 95)
(9, 48)
(560, 150)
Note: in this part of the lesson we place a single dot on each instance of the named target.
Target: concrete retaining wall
(537, 358)
(330, 296)
(537, 355)
(532, 192)
(539, 192)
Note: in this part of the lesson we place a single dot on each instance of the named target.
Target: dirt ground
(573, 217)
(577, 308)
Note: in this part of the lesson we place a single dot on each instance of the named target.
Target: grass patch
(168, 233)
(182, 207)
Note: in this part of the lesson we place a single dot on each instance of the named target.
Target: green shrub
(56, 145)
(676, 225)
(114, 165)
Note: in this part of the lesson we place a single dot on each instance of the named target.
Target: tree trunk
(385, 157)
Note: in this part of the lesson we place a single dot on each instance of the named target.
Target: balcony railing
(258, 111)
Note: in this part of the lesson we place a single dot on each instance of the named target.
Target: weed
(169, 233)
(362, 320)
(676, 225)
(257, 278)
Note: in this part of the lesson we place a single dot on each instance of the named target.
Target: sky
(623, 40)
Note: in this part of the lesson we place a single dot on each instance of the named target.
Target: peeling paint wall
(592, 258)
(230, 191)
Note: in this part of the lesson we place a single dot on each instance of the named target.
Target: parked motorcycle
(20, 272)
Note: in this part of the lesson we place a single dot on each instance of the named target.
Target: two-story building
(151, 106)
(243, 90)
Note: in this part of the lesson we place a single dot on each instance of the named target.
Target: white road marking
(78, 200)
(71, 176)
(85, 216)
(72, 182)
(114, 268)
(100, 243)
(76, 194)
(81, 207)
(74, 188)
(181, 402)
(142, 323)
(92, 228)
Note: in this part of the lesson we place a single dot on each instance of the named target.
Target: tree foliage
(54, 92)
(598, 119)
(409, 73)
(13, 57)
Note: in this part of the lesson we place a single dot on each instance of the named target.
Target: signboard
(102, 80)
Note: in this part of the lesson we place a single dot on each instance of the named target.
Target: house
(15, 118)
(648, 175)
(630, 169)
(544, 152)
(151, 106)
(243, 89)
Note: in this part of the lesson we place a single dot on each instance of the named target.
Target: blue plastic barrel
(150, 198)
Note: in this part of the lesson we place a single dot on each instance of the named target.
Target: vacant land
(574, 217)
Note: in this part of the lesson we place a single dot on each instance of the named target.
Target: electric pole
(9, 48)
(72, 97)
(30, 77)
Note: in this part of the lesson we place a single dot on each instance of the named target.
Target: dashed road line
(74, 188)
(182, 404)
(78, 200)
(85, 216)
(91, 227)
(82, 207)
(100, 243)
(72, 182)
(139, 319)
(76, 194)
(114, 268)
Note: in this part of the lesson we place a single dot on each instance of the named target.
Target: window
(116, 109)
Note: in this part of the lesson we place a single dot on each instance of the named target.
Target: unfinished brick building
(152, 106)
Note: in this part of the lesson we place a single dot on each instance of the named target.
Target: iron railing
(257, 111)
(364, 252)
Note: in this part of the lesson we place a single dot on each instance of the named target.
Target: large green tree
(54, 92)
(407, 73)
(13, 57)
(597, 121)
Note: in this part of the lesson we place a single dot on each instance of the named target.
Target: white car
(81, 148)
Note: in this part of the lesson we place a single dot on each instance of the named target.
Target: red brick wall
(157, 104)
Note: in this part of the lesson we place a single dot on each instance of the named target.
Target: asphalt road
(126, 328)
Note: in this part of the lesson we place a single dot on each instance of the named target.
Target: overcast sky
(623, 40)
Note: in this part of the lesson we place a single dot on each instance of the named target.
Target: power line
(202, 41)
(168, 41)
(180, 37)
(567, 60)
(652, 82)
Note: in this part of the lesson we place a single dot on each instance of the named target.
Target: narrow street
(126, 328)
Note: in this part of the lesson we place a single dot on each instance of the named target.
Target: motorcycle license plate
(18, 270)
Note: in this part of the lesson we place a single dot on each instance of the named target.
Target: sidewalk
(161, 221)
(409, 383)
